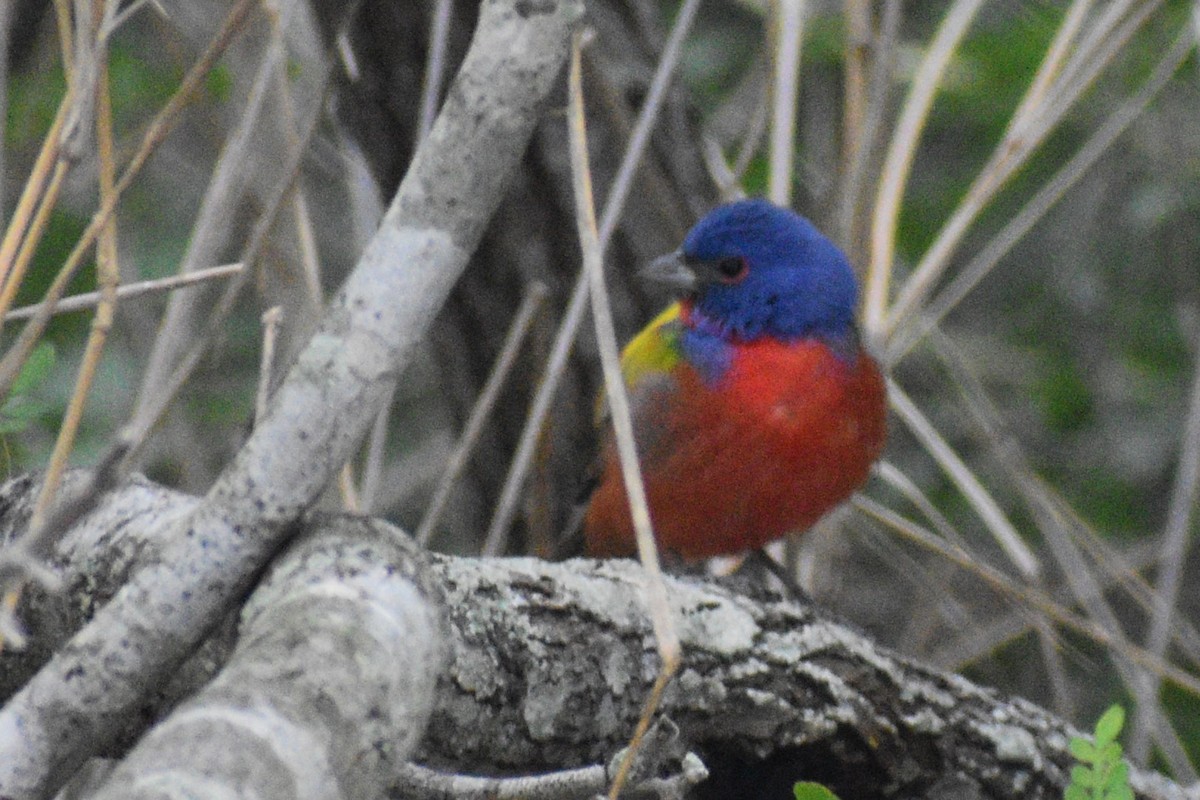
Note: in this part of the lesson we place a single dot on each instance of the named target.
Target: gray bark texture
(86, 693)
(548, 667)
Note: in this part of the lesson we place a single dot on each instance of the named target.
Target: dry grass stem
(656, 593)
(982, 502)
(898, 164)
(1024, 594)
(1039, 112)
(80, 302)
(788, 36)
(568, 328)
(31, 199)
(1035, 209)
(271, 320)
(162, 124)
(522, 324)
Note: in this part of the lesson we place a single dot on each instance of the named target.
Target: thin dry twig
(80, 302)
(564, 337)
(1041, 109)
(20, 556)
(217, 216)
(431, 89)
(665, 633)
(976, 494)
(1055, 520)
(1024, 594)
(108, 276)
(31, 199)
(900, 156)
(788, 29)
(851, 214)
(147, 417)
(521, 325)
(162, 124)
(435, 65)
(271, 320)
(1035, 209)
(1171, 560)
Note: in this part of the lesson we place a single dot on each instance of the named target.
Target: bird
(756, 407)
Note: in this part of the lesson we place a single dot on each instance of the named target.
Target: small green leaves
(1100, 774)
(1109, 726)
(806, 790)
(20, 409)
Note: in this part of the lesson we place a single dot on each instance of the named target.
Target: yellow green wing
(654, 351)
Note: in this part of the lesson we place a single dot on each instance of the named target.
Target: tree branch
(330, 686)
(90, 688)
(550, 663)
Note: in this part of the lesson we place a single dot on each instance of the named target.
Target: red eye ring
(732, 269)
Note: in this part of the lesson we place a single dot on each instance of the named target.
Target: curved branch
(91, 687)
(550, 663)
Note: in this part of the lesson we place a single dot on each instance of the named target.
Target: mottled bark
(85, 694)
(550, 663)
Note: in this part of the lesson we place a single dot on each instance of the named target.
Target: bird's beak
(671, 271)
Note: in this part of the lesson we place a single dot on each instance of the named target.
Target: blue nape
(798, 282)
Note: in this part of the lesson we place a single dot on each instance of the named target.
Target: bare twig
(271, 319)
(976, 494)
(788, 25)
(900, 155)
(564, 338)
(521, 325)
(593, 264)
(79, 302)
(163, 122)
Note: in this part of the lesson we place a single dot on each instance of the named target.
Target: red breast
(789, 432)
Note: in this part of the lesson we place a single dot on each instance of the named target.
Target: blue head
(754, 269)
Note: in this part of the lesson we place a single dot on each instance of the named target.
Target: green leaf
(21, 408)
(1109, 753)
(1083, 777)
(1109, 725)
(807, 790)
(1119, 793)
(36, 368)
(1083, 750)
(1075, 792)
(219, 83)
(8, 426)
(1117, 779)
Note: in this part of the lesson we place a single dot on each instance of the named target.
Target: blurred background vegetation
(1061, 382)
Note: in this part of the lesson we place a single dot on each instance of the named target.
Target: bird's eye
(732, 269)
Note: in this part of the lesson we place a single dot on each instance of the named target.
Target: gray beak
(670, 271)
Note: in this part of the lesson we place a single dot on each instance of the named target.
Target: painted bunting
(756, 409)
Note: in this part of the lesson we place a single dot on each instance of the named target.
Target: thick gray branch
(93, 684)
(328, 691)
(549, 665)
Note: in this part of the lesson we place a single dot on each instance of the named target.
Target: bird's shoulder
(655, 351)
